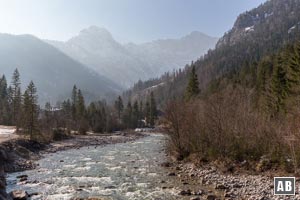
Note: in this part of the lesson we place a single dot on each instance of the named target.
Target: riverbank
(22, 154)
(228, 185)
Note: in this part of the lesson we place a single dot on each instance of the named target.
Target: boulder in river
(185, 192)
(211, 197)
(19, 195)
(22, 176)
(172, 174)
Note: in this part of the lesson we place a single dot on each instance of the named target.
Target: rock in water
(3, 194)
(211, 197)
(19, 195)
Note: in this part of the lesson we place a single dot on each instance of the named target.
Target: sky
(128, 20)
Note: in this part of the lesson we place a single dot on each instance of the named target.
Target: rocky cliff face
(276, 17)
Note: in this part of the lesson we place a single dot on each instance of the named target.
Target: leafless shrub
(225, 125)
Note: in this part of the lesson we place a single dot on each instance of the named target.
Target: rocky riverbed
(131, 171)
(22, 154)
(18, 154)
(240, 186)
(89, 169)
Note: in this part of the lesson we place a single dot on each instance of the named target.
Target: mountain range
(53, 72)
(93, 60)
(127, 63)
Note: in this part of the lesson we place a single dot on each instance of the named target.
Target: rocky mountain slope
(259, 32)
(95, 47)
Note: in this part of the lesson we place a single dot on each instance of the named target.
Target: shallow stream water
(118, 171)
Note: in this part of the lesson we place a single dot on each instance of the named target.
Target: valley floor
(190, 181)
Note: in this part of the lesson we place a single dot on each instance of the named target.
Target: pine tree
(3, 101)
(67, 114)
(80, 105)
(3, 87)
(135, 114)
(10, 105)
(293, 77)
(153, 110)
(81, 113)
(192, 89)
(147, 112)
(48, 113)
(127, 117)
(119, 106)
(104, 117)
(141, 116)
(30, 110)
(16, 98)
(74, 102)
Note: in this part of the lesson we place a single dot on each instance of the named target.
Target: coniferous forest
(71, 116)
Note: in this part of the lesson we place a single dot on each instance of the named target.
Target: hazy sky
(127, 20)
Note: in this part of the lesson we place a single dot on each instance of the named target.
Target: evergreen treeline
(17, 109)
(71, 116)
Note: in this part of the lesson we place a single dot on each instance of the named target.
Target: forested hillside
(240, 101)
(257, 33)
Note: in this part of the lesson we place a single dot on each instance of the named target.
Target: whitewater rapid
(119, 171)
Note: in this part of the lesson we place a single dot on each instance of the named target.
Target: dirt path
(7, 133)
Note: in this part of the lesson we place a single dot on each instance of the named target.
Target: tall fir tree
(74, 103)
(80, 105)
(81, 113)
(4, 112)
(141, 116)
(16, 98)
(135, 114)
(30, 111)
(153, 110)
(119, 106)
(127, 117)
(147, 112)
(192, 89)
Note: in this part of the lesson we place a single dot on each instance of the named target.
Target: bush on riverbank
(225, 126)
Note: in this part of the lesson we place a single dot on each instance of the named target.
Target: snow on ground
(250, 28)
(6, 130)
(7, 133)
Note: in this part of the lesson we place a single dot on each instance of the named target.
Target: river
(119, 171)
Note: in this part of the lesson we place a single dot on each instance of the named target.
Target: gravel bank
(240, 186)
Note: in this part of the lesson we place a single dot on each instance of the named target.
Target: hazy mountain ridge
(95, 47)
(53, 72)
